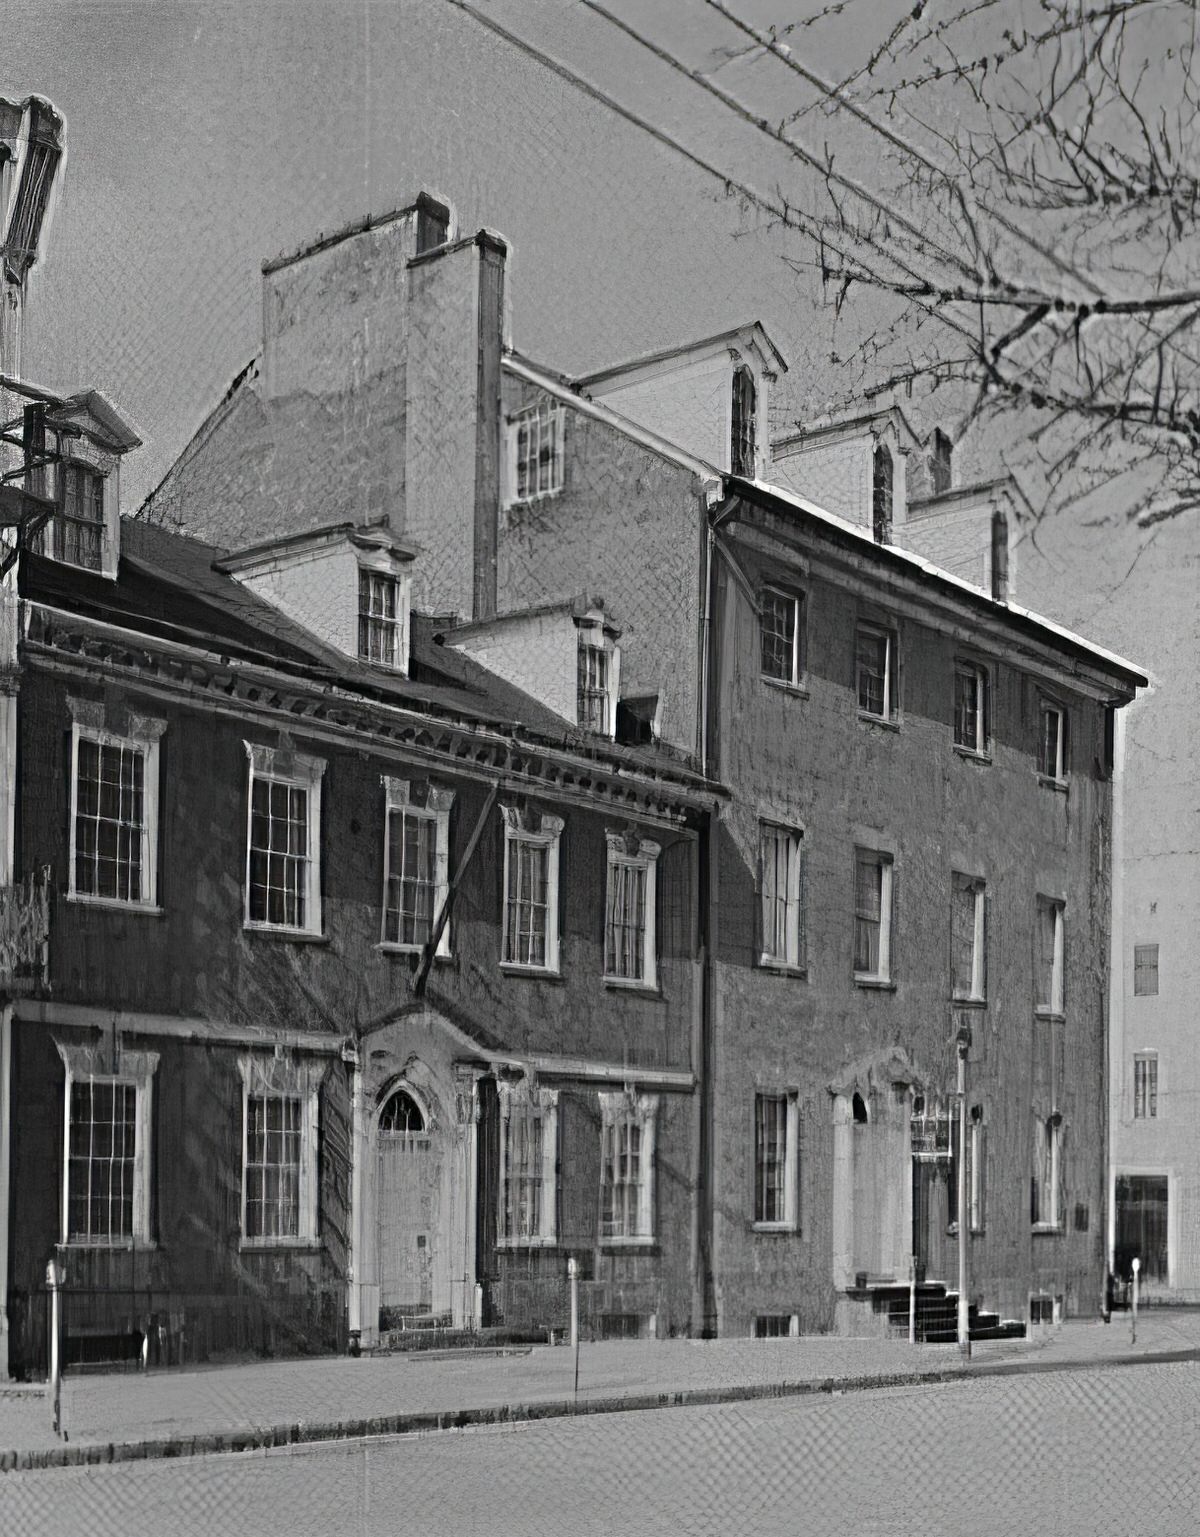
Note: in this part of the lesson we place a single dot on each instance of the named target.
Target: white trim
(883, 972)
(284, 766)
(976, 1215)
(143, 738)
(641, 1109)
(790, 1221)
(542, 1104)
(438, 802)
(1057, 1004)
(547, 415)
(983, 683)
(84, 1016)
(93, 1064)
(546, 836)
(891, 656)
(795, 678)
(1052, 707)
(977, 888)
(646, 860)
(284, 1077)
(381, 563)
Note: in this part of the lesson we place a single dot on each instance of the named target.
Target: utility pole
(963, 1044)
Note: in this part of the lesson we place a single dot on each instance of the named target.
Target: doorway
(407, 1200)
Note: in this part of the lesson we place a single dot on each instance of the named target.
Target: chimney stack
(999, 556)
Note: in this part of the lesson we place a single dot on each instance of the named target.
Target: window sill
(972, 754)
(875, 984)
(518, 503)
(961, 1001)
(273, 931)
(799, 689)
(513, 1245)
(1048, 1227)
(116, 905)
(631, 985)
(782, 968)
(110, 1246)
(291, 1245)
(1061, 785)
(771, 1228)
(888, 722)
(537, 973)
(390, 947)
(1058, 1014)
(631, 1245)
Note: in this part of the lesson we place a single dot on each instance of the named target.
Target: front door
(932, 1141)
(406, 1200)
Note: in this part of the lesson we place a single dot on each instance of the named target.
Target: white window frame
(1052, 707)
(640, 855)
(795, 674)
(285, 1078)
(142, 735)
(533, 1100)
(298, 771)
(590, 636)
(399, 623)
(983, 683)
(546, 836)
(93, 1064)
(81, 458)
(1145, 1094)
(1057, 1004)
(790, 1221)
(978, 890)
(770, 834)
(891, 698)
(398, 801)
(628, 1108)
(976, 1139)
(547, 414)
(883, 973)
(1050, 1215)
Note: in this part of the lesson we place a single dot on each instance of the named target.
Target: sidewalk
(121, 1415)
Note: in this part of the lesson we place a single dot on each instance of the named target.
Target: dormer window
(535, 453)
(76, 535)
(380, 618)
(596, 690)
(881, 496)
(742, 448)
(940, 462)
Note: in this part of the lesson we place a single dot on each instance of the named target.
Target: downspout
(1114, 1045)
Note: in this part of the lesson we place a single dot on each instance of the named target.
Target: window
(530, 890)
(776, 1148)
(382, 619)
(781, 631)
(781, 855)
(629, 929)
(77, 534)
(941, 451)
(528, 1164)
(976, 1170)
(876, 656)
(535, 452)
(279, 1150)
(872, 916)
(1048, 957)
(1145, 971)
(114, 812)
(283, 885)
(1145, 1086)
(1052, 742)
(1142, 1227)
(1046, 1198)
(776, 1326)
(881, 495)
(627, 1167)
(743, 447)
(416, 860)
(593, 690)
(968, 938)
(972, 727)
(106, 1189)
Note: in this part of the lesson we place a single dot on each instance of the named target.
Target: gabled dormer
(710, 398)
(349, 584)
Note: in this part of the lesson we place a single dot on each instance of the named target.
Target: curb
(422, 1422)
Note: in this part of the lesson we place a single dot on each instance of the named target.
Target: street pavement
(1097, 1450)
(190, 1411)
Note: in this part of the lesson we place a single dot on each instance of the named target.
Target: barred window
(1145, 1085)
(528, 1165)
(593, 687)
(113, 818)
(781, 854)
(872, 915)
(781, 635)
(535, 452)
(971, 725)
(412, 883)
(876, 671)
(283, 840)
(100, 1176)
(775, 1160)
(1145, 971)
(76, 535)
(380, 618)
(627, 1166)
(531, 893)
(629, 937)
(273, 1157)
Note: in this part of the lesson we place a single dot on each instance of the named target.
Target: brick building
(915, 850)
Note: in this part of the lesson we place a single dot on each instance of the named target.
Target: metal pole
(53, 1278)
(964, 1311)
(1137, 1265)
(573, 1277)
(912, 1299)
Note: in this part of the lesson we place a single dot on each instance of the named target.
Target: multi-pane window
(1046, 1202)
(872, 915)
(114, 816)
(971, 707)
(881, 495)
(103, 1143)
(283, 841)
(77, 533)
(776, 1136)
(1052, 741)
(279, 1149)
(1145, 971)
(781, 855)
(968, 938)
(629, 928)
(743, 423)
(1048, 957)
(381, 618)
(875, 663)
(1145, 1086)
(272, 1190)
(627, 1167)
(530, 892)
(781, 636)
(535, 450)
(528, 1165)
(416, 866)
(592, 691)
(1143, 1206)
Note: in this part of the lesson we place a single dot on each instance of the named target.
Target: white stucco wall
(536, 652)
(318, 589)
